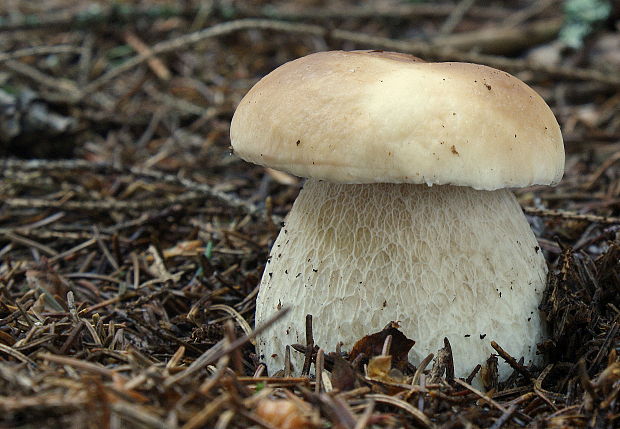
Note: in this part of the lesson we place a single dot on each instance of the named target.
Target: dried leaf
(184, 248)
(379, 366)
(282, 414)
(380, 369)
(489, 373)
(372, 345)
(344, 376)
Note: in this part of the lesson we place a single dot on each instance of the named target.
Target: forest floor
(132, 241)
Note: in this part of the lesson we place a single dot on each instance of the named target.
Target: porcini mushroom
(406, 213)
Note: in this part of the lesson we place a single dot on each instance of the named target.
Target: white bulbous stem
(444, 261)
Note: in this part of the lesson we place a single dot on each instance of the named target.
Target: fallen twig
(511, 361)
(419, 416)
(565, 214)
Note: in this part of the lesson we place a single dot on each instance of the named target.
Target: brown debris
(129, 272)
(372, 345)
(283, 414)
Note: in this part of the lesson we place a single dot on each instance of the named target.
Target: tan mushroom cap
(374, 117)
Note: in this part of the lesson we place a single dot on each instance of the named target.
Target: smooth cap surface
(374, 117)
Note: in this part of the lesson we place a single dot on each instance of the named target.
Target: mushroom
(405, 215)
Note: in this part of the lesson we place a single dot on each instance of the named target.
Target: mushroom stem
(445, 261)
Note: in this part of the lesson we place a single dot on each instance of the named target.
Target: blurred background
(172, 110)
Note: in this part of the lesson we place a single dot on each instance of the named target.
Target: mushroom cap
(386, 117)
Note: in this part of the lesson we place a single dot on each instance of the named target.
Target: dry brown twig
(158, 67)
(96, 205)
(511, 361)
(38, 50)
(418, 415)
(455, 17)
(67, 87)
(565, 214)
